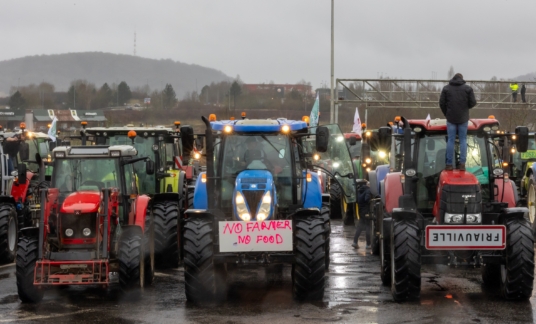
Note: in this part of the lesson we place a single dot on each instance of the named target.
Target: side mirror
(187, 139)
(352, 141)
(322, 139)
(24, 151)
(21, 170)
(522, 140)
(149, 167)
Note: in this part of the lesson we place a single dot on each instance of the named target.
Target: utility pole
(332, 104)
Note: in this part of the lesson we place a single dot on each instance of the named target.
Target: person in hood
(456, 100)
(363, 203)
(523, 91)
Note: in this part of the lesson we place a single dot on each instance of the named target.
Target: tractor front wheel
(531, 203)
(327, 229)
(166, 217)
(204, 280)
(517, 274)
(405, 260)
(335, 200)
(374, 238)
(309, 268)
(25, 267)
(9, 233)
(131, 259)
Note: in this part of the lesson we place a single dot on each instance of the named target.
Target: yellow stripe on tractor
(170, 184)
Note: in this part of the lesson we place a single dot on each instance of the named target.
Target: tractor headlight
(458, 218)
(86, 232)
(264, 209)
(336, 165)
(69, 232)
(368, 160)
(241, 208)
(382, 154)
(197, 155)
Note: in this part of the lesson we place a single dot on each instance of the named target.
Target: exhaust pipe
(211, 181)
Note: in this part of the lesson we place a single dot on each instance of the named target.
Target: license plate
(466, 237)
(267, 236)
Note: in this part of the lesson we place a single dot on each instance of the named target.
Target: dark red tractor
(93, 223)
(463, 219)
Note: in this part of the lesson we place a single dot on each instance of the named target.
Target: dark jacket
(456, 100)
(523, 89)
(363, 200)
(12, 147)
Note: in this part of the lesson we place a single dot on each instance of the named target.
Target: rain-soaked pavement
(354, 294)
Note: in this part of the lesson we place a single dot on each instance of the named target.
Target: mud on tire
(517, 275)
(131, 257)
(166, 217)
(9, 233)
(405, 261)
(308, 270)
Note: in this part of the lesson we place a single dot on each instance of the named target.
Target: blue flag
(315, 112)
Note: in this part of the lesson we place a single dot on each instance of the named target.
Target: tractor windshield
(144, 146)
(256, 152)
(336, 160)
(521, 161)
(431, 161)
(72, 175)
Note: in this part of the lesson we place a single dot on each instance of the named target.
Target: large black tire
(309, 268)
(204, 281)
(517, 275)
(327, 236)
(335, 196)
(405, 260)
(9, 233)
(25, 267)
(148, 242)
(131, 259)
(374, 238)
(531, 203)
(166, 217)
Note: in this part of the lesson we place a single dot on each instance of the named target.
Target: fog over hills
(98, 68)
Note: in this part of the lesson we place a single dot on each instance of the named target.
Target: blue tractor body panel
(381, 172)
(200, 193)
(254, 185)
(267, 127)
(312, 192)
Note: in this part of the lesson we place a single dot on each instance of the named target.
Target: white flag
(315, 112)
(428, 117)
(52, 130)
(357, 123)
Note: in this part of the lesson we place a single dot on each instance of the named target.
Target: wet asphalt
(354, 294)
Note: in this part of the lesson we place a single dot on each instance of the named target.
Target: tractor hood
(81, 201)
(254, 196)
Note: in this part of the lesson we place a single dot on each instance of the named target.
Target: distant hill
(526, 77)
(98, 68)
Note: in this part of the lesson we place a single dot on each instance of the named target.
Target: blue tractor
(260, 203)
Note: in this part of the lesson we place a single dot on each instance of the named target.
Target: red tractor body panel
(18, 191)
(505, 188)
(393, 190)
(348, 135)
(137, 216)
(454, 178)
(473, 125)
(81, 201)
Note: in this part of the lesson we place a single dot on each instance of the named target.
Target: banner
(357, 123)
(52, 130)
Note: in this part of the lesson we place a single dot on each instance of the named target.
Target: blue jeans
(452, 129)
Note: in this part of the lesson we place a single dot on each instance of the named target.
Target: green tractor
(170, 187)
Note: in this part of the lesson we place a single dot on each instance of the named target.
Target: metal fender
(172, 180)
(373, 183)
(188, 171)
(200, 193)
(393, 190)
(312, 192)
(19, 190)
(508, 190)
(142, 202)
(381, 172)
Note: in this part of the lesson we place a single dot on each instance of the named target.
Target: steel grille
(254, 180)
(253, 198)
(77, 223)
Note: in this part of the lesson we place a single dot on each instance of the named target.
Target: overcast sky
(287, 40)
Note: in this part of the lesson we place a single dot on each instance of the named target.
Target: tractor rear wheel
(335, 200)
(204, 280)
(385, 260)
(405, 260)
(25, 267)
(327, 229)
(309, 268)
(131, 259)
(374, 239)
(531, 203)
(166, 217)
(517, 275)
(9, 233)
(148, 242)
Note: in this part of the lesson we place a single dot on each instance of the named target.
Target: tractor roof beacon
(92, 223)
(170, 187)
(260, 203)
(457, 218)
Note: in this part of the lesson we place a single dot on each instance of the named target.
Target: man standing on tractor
(456, 100)
(11, 148)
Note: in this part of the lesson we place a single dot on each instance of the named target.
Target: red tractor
(464, 219)
(93, 222)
